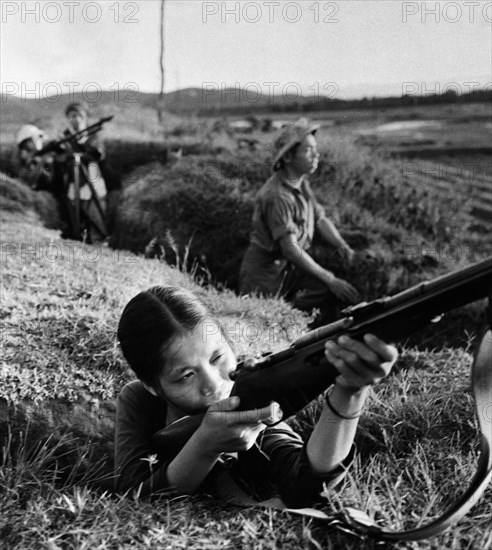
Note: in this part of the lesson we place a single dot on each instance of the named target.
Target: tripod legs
(86, 216)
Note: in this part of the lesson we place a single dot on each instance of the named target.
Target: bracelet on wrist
(338, 413)
(347, 387)
(331, 276)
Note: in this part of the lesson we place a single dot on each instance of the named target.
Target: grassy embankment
(60, 305)
(413, 228)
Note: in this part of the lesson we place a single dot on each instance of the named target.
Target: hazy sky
(341, 49)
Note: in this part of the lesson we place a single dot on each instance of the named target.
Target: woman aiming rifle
(184, 368)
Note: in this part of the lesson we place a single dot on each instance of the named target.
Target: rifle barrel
(414, 307)
(90, 130)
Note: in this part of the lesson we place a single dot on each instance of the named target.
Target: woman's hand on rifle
(360, 363)
(225, 429)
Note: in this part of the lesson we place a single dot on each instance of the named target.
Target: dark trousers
(306, 293)
(92, 223)
(267, 276)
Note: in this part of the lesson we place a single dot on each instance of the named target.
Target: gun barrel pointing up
(90, 130)
(399, 315)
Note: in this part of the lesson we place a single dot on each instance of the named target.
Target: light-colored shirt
(280, 209)
(95, 177)
(92, 149)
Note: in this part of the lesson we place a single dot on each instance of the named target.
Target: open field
(446, 147)
(424, 209)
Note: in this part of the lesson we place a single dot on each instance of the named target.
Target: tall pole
(160, 106)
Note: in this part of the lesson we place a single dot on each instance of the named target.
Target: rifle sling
(358, 523)
(482, 390)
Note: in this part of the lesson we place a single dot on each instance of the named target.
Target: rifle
(54, 146)
(295, 376)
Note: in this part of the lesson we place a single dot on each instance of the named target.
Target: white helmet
(29, 131)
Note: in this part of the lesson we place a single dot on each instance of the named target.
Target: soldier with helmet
(36, 171)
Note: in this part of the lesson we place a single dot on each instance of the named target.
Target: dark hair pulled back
(151, 321)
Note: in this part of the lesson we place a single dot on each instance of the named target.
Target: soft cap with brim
(291, 135)
(28, 131)
(76, 106)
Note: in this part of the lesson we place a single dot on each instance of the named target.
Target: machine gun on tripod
(78, 175)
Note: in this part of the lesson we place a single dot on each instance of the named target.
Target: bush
(193, 210)
(350, 173)
(18, 197)
(197, 214)
(124, 156)
(7, 159)
(201, 208)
